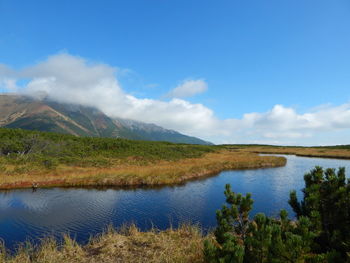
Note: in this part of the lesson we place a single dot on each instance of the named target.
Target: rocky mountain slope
(44, 115)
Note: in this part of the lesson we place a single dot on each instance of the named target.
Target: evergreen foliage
(49, 149)
(320, 233)
(326, 202)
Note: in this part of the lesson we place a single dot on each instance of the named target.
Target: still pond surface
(25, 214)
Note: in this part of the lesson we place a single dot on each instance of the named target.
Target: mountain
(45, 115)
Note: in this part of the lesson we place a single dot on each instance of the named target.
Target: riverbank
(42, 159)
(334, 152)
(133, 172)
(184, 244)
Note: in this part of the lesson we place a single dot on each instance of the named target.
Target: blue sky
(246, 56)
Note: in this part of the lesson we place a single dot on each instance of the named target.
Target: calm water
(83, 212)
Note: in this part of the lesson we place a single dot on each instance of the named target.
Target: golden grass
(134, 173)
(184, 244)
(299, 151)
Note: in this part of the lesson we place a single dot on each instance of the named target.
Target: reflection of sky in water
(84, 211)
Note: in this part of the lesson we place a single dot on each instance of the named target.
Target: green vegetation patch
(51, 149)
(320, 234)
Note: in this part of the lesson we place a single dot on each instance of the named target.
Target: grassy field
(131, 172)
(338, 152)
(49, 159)
(184, 244)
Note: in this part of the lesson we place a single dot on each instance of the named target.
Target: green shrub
(326, 202)
(320, 233)
(21, 146)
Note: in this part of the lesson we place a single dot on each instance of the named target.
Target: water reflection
(82, 212)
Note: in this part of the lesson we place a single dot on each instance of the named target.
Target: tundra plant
(321, 232)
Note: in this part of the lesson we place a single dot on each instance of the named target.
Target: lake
(25, 214)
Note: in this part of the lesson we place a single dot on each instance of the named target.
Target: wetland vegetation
(50, 159)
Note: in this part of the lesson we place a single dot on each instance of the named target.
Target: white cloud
(283, 119)
(71, 79)
(188, 88)
(285, 123)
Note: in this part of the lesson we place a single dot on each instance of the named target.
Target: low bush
(21, 146)
(321, 232)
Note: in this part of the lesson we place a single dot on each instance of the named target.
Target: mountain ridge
(17, 111)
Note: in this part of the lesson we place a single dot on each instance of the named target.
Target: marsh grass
(337, 152)
(134, 172)
(128, 244)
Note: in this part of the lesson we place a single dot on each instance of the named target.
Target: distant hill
(44, 115)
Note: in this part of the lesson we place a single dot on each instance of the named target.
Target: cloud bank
(71, 79)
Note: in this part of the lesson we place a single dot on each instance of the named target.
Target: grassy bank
(134, 173)
(50, 159)
(337, 152)
(184, 244)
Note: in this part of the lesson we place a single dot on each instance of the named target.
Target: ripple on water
(82, 212)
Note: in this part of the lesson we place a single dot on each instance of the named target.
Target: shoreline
(162, 173)
(135, 174)
(311, 152)
(308, 155)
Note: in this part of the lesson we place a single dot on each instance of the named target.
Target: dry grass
(299, 151)
(184, 244)
(135, 173)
